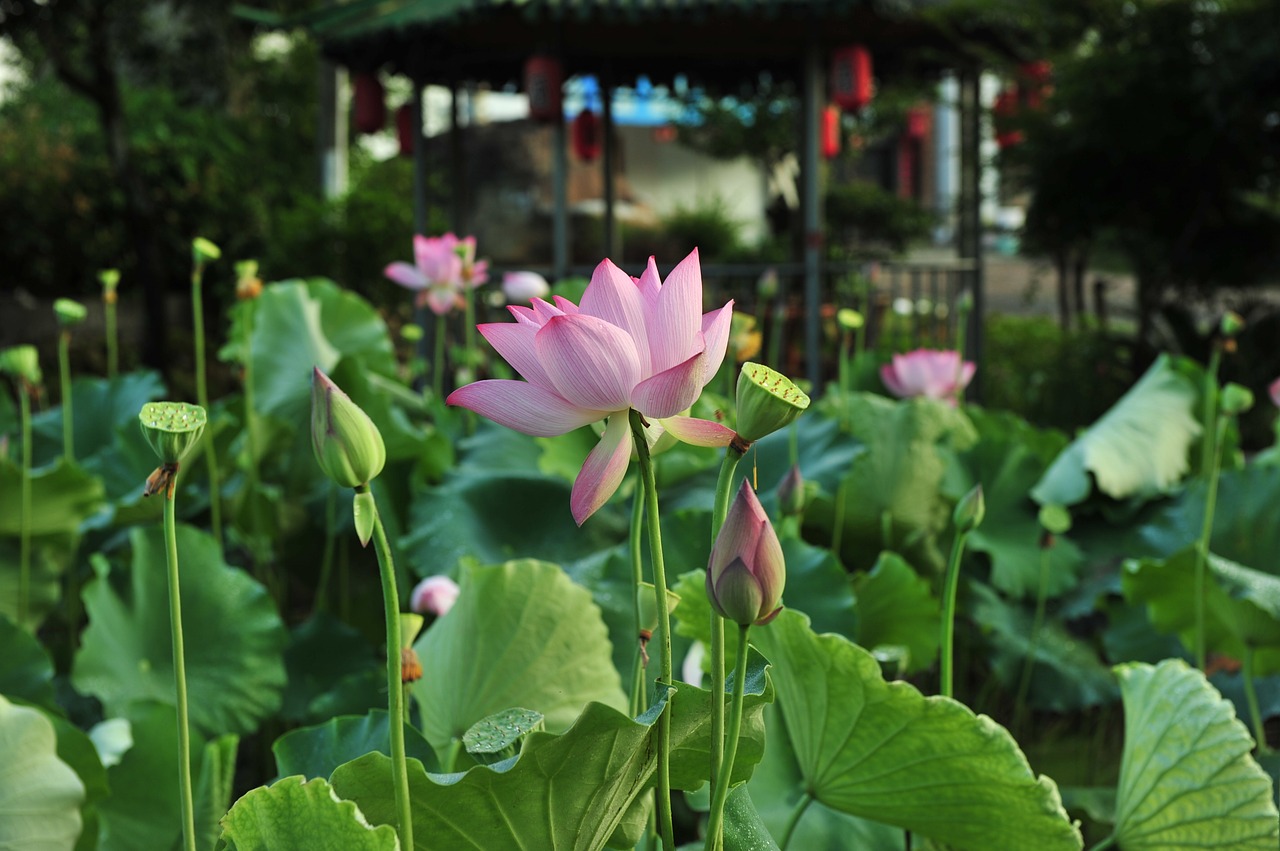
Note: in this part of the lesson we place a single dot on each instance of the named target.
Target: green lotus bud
(70, 313)
(969, 511)
(1231, 325)
(791, 495)
(203, 251)
(172, 428)
(347, 444)
(22, 362)
(1236, 399)
(364, 512)
(767, 401)
(746, 572)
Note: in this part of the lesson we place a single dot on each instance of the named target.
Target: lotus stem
(1202, 545)
(395, 692)
(664, 629)
(724, 488)
(250, 409)
(794, 819)
(1251, 698)
(24, 522)
(202, 397)
(637, 576)
(951, 585)
(715, 823)
(113, 342)
(64, 379)
(1037, 624)
(179, 675)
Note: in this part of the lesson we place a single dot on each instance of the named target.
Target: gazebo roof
(716, 42)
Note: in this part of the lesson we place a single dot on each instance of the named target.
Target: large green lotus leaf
(896, 608)
(884, 751)
(1242, 605)
(1007, 461)
(213, 786)
(63, 496)
(297, 813)
(1138, 448)
(40, 795)
(520, 634)
(498, 517)
(233, 637)
(304, 324)
(316, 751)
(100, 406)
(323, 652)
(26, 672)
(1186, 777)
(1068, 674)
(896, 483)
(564, 791)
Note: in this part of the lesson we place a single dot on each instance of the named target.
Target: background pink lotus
(929, 373)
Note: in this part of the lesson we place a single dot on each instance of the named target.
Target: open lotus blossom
(633, 343)
(524, 286)
(434, 595)
(1274, 390)
(442, 267)
(929, 373)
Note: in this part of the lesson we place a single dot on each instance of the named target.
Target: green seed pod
(849, 318)
(969, 511)
(70, 313)
(767, 401)
(109, 278)
(1232, 324)
(204, 251)
(1236, 399)
(22, 362)
(347, 444)
(172, 428)
(410, 626)
(646, 597)
(410, 332)
(1055, 519)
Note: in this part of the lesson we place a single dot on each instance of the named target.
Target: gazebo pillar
(811, 212)
(607, 163)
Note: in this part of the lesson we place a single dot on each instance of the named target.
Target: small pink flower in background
(1274, 390)
(524, 286)
(442, 266)
(929, 373)
(639, 343)
(434, 595)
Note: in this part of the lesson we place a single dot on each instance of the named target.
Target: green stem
(24, 521)
(715, 822)
(437, 366)
(469, 312)
(179, 678)
(250, 408)
(951, 585)
(654, 525)
(794, 819)
(395, 693)
(1037, 623)
(720, 509)
(113, 344)
(637, 576)
(202, 396)
(1105, 843)
(64, 378)
(1251, 698)
(1202, 545)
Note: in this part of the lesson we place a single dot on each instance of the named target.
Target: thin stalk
(654, 525)
(715, 822)
(250, 409)
(113, 342)
(64, 378)
(949, 613)
(794, 819)
(1251, 698)
(24, 521)
(720, 509)
(637, 576)
(395, 693)
(202, 397)
(1202, 545)
(437, 364)
(469, 311)
(179, 678)
(1037, 623)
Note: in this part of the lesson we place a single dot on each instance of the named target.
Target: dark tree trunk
(1079, 268)
(1061, 263)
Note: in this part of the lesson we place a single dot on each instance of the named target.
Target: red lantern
(1035, 82)
(586, 135)
(543, 77)
(1003, 112)
(831, 132)
(908, 157)
(370, 108)
(851, 77)
(404, 129)
(918, 120)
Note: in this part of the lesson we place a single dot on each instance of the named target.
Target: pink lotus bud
(434, 595)
(746, 573)
(1274, 390)
(791, 493)
(524, 287)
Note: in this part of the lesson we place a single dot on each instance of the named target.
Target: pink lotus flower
(1274, 390)
(928, 373)
(746, 572)
(434, 595)
(524, 286)
(633, 343)
(442, 267)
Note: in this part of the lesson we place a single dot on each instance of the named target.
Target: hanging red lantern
(370, 105)
(919, 118)
(585, 133)
(1035, 82)
(404, 129)
(1003, 112)
(543, 77)
(908, 157)
(851, 77)
(831, 132)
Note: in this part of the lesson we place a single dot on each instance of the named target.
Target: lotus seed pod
(1232, 324)
(1055, 519)
(172, 428)
(348, 446)
(849, 318)
(647, 598)
(1236, 399)
(109, 278)
(969, 511)
(767, 401)
(410, 626)
(204, 251)
(70, 313)
(22, 362)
